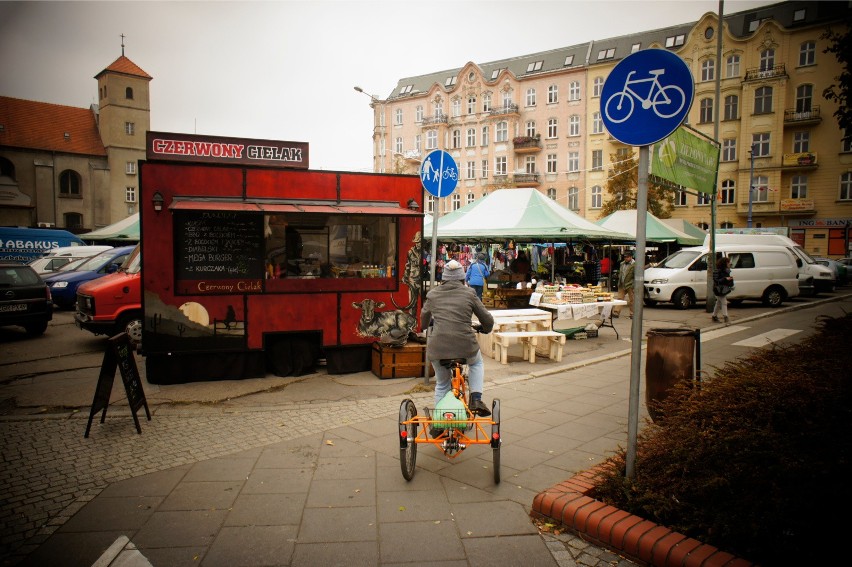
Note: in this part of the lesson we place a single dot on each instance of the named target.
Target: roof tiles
(43, 126)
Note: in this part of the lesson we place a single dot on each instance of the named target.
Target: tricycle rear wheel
(495, 438)
(407, 436)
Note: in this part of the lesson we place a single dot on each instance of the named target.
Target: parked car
(113, 304)
(50, 262)
(766, 273)
(24, 298)
(838, 269)
(63, 285)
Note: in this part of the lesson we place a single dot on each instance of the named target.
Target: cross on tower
(122, 45)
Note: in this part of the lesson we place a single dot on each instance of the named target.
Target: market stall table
(515, 320)
(601, 310)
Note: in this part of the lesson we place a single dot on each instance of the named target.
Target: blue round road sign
(646, 97)
(439, 173)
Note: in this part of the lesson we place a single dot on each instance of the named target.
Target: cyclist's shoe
(479, 408)
(435, 432)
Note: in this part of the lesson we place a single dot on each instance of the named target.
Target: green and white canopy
(126, 230)
(524, 215)
(655, 229)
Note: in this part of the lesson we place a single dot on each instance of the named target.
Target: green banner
(687, 160)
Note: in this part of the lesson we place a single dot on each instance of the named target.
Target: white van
(813, 278)
(762, 273)
(55, 258)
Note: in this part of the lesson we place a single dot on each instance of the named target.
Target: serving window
(327, 246)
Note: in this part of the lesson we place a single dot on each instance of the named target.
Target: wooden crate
(400, 362)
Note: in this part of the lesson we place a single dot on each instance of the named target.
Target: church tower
(124, 118)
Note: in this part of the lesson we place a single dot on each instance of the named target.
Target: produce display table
(600, 310)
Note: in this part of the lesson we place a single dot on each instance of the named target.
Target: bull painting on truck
(255, 263)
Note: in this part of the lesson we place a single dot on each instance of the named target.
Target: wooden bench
(529, 339)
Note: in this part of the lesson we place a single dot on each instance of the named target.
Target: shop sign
(687, 160)
(218, 149)
(792, 205)
(820, 223)
(801, 159)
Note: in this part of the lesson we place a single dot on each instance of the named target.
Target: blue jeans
(478, 290)
(475, 377)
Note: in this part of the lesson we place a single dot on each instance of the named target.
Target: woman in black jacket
(723, 284)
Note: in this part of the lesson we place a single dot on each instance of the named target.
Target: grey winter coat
(450, 307)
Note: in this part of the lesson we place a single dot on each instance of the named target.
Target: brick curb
(633, 537)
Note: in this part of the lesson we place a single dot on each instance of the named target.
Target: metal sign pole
(636, 327)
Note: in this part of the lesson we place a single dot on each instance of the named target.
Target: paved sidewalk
(307, 472)
(274, 484)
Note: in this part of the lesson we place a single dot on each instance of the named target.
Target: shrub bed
(756, 459)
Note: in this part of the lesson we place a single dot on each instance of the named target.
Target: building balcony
(527, 144)
(758, 74)
(802, 118)
(434, 120)
(411, 155)
(526, 180)
(758, 208)
(504, 110)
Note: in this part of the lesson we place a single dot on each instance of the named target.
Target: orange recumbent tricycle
(452, 432)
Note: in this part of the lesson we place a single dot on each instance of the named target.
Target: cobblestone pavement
(51, 471)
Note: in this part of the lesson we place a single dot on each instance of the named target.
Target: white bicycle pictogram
(661, 99)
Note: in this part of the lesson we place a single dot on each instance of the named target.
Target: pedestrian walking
(625, 283)
(723, 284)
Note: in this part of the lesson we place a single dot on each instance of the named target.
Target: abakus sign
(686, 160)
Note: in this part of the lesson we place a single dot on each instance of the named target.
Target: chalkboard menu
(219, 245)
(119, 355)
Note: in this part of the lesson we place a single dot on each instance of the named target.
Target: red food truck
(253, 263)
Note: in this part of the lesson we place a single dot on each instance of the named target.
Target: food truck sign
(217, 149)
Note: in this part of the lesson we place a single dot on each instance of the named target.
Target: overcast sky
(285, 70)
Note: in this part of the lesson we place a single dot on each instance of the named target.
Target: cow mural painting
(267, 266)
(390, 326)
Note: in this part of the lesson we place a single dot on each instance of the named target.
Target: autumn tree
(623, 185)
(841, 47)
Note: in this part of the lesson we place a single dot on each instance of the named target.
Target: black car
(24, 298)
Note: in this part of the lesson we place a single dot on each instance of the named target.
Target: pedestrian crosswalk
(756, 341)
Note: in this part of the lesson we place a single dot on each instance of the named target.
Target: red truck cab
(113, 304)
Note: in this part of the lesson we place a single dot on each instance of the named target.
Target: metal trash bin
(673, 355)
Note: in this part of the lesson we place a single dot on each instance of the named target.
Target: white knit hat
(453, 271)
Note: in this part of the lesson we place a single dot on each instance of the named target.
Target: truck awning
(343, 207)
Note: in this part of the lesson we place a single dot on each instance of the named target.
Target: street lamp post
(378, 122)
(750, 185)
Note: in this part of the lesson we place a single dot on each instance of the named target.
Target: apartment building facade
(535, 121)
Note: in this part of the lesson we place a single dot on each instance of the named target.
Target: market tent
(126, 231)
(655, 229)
(524, 215)
(686, 227)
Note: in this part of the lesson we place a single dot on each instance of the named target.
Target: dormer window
(635, 47)
(495, 73)
(569, 60)
(406, 89)
(67, 136)
(606, 53)
(675, 40)
(451, 81)
(534, 66)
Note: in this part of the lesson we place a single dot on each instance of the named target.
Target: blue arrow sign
(439, 173)
(646, 97)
